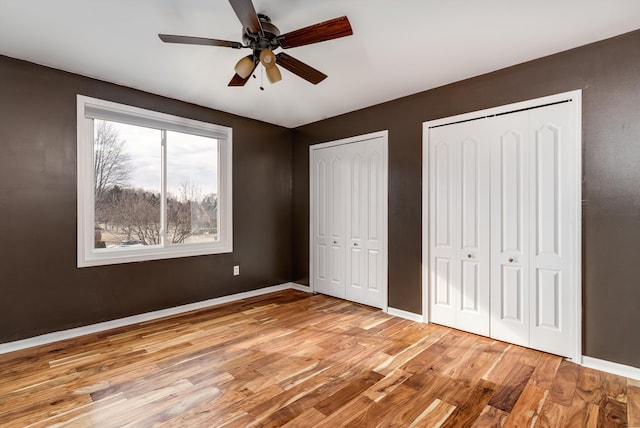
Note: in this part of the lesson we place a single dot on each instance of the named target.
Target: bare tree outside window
(112, 164)
(127, 180)
(192, 217)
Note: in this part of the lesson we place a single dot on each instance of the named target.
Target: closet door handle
(510, 259)
(355, 244)
(469, 256)
(335, 242)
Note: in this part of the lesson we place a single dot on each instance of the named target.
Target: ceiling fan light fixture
(245, 66)
(259, 35)
(273, 74)
(267, 58)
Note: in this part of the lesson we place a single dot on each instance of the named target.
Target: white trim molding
(299, 287)
(148, 316)
(611, 367)
(411, 316)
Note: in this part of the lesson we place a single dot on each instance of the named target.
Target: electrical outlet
(236, 270)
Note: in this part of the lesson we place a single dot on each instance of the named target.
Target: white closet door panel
(374, 265)
(547, 191)
(375, 179)
(547, 299)
(356, 223)
(509, 220)
(474, 246)
(442, 293)
(329, 250)
(364, 192)
(321, 262)
(460, 247)
(321, 221)
(552, 196)
(374, 182)
(511, 324)
(444, 281)
(337, 200)
(470, 287)
(472, 182)
(355, 262)
(321, 227)
(337, 265)
(511, 190)
(443, 179)
(511, 290)
(357, 199)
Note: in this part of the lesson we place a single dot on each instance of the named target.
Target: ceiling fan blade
(247, 15)
(239, 81)
(327, 30)
(169, 38)
(299, 68)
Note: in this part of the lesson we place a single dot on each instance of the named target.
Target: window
(150, 185)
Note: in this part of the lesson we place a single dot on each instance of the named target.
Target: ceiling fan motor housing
(269, 39)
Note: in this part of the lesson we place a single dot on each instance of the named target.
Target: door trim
(576, 227)
(384, 215)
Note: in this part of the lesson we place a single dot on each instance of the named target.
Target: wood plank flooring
(299, 360)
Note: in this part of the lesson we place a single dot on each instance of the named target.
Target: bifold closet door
(348, 221)
(459, 226)
(503, 196)
(533, 192)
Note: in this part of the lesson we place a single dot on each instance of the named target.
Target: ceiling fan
(262, 37)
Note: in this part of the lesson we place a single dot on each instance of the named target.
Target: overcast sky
(190, 159)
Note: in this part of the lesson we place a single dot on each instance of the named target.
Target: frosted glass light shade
(245, 66)
(273, 74)
(267, 58)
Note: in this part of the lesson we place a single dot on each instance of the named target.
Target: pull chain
(261, 78)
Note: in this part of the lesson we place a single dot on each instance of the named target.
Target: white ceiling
(398, 47)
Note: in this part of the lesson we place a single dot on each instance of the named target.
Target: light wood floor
(296, 359)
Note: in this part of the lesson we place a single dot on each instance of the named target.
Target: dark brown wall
(41, 288)
(609, 74)
(43, 291)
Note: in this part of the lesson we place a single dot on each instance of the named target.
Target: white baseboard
(594, 363)
(611, 367)
(148, 316)
(405, 314)
(298, 287)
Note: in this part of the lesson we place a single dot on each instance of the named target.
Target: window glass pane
(192, 189)
(127, 177)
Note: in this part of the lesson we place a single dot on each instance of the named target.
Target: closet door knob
(355, 244)
(335, 242)
(510, 259)
(469, 256)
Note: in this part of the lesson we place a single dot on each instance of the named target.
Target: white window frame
(89, 109)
